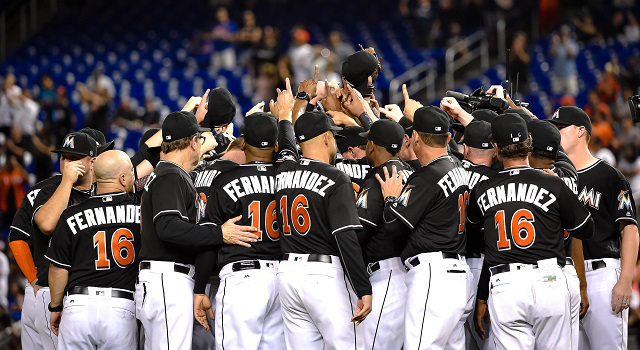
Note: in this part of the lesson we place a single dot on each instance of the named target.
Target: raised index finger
(404, 92)
(316, 73)
(288, 84)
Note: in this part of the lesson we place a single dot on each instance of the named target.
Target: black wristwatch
(389, 199)
(303, 95)
(54, 309)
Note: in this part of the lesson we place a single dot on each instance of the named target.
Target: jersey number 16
(122, 249)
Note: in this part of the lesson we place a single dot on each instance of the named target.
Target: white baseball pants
(30, 337)
(43, 316)
(573, 284)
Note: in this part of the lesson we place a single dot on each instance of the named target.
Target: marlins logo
(624, 201)
(69, 142)
(201, 205)
(404, 197)
(361, 202)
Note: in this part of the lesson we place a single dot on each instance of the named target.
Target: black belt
(473, 255)
(145, 265)
(505, 268)
(245, 265)
(598, 264)
(415, 261)
(569, 261)
(314, 258)
(114, 292)
(374, 267)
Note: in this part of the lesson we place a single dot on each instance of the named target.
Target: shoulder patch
(404, 196)
(361, 202)
(624, 201)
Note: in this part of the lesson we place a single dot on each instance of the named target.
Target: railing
(418, 83)
(19, 20)
(476, 46)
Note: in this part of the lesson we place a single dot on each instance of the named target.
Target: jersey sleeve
(342, 211)
(287, 150)
(573, 214)
(474, 214)
(21, 229)
(370, 204)
(168, 197)
(414, 200)
(59, 251)
(623, 207)
(43, 196)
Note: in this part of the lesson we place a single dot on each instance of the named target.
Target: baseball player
(611, 254)
(171, 210)
(354, 161)
(546, 155)
(383, 328)
(94, 264)
(244, 319)
(429, 211)
(76, 161)
(317, 216)
(523, 212)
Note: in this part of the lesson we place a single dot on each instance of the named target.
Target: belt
(569, 261)
(374, 267)
(315, 258)
(598, 264)
(115, 293)
(473, 255)
(145, 265)
(415, 261)
(246, 265)
(507, 268)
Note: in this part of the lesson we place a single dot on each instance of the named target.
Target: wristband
(54, 309)
(389, 199)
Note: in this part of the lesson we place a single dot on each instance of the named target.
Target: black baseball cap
(350, 138)
(482, 114)
(571, 115)
(178, 125)
(478, 135)
(80, 144)
(508, 129)
(260, 130)
(521, 112)
(407, 125)
(386, 133)
(357, 68)
(545, 136)
(313, 124)
(221, 108)
(431, 119)
(147, 135)
(97, 135)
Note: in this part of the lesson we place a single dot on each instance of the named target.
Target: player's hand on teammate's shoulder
(202, 306)
(236, 234)
(72, 171)
(363, 310)
(481, 314)
(391, 185)
(621, 296)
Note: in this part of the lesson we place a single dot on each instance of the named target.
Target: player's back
(356, 169)
(247, 191)
(308, 216)
(100, 239)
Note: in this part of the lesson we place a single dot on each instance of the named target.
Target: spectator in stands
(18, 144)
(223, 35)
(151, 116)
(266, 83)
(301, 56)
(47, 98)
(26, 113)
(5, 269)
(586, 29)
(629, 166)
(630, 74)
(564, 51)
(598, 151)
(519, 61)
(13, 179)
(42, 145)
(608, 87)
(602, 127)
(8, 98)
(16, 299)
(340, 49)
(99, 102)
(423, 16)
(616, 28)
(64, 118)
(267, 51)
(595, 105)
(248, 36)
(126, 117)
(98, 81)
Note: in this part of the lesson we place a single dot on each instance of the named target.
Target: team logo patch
(624, 201)
(69, 142)
(404, 196)
(361, 202)
(201, 205)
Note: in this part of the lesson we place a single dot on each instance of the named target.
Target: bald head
(113, 172)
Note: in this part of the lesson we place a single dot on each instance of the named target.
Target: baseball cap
(357, 68)
(545, 136)
(407, 125)
(571, 115)
(478, 135)
(78, 143)
(313, 124)
(147, 135)
(221, 109)
(350, 138)
(521, 112)
(97, 135)
(260, 130)
(486, 115)
(508, 129)
(431, 119)
(178, 125)
(386, 133)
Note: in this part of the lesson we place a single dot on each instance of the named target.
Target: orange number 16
(122, 249)
(523, 232)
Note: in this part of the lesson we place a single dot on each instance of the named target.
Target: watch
(389, 199)
(303, 95)
(55, 309)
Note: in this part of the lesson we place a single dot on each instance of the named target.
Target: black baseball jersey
(607, 195)
(98, 241)
(431, 208)
(169, 191)
(40, 240)
(524, 213)
(377, 241)
(21, 228)
(246, 191)
(475, 174)
(563, 167)
(415, 164)
(356, 169)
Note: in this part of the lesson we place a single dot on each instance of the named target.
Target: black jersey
(476, 173)
(169, 191)
(97, 241)
(524, 213)
(432, 208)
(40, 240)
(205, 173)
(21, 228)
(356, 169)
(377, 241)
(607, 195)
(247, 191)
(563, 167)
(415, 164)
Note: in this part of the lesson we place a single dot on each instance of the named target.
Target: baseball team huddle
(331, 223)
